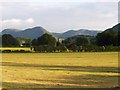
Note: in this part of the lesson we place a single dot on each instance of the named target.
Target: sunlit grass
(15, 48)
(46, 70)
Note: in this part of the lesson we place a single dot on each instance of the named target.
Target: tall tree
(80, 41)
(46, 39)
(34, 42)
(109, 37)
(9, 41)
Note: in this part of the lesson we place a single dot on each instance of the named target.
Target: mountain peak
(37, 27)
(37, 31)
(10, 29)
(32, 33)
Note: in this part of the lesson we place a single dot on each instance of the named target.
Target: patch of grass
(60, 70)
(15, 48)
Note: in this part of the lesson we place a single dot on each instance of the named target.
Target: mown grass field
(15, 48)
(23, 71)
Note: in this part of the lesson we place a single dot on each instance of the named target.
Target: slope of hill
(29, 33)
(114, 28)
(38, 31)
(109, 37)
(71, 33)
(33, 32)
(11, 31)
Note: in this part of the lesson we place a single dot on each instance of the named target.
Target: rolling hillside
(28, 33)
(36, 32)
(71, 33)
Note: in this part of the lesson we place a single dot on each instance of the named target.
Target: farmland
(59, 70)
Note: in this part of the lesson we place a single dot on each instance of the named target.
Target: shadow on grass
(72, 81)
(92, 81)
(33, 86)
(65, 68)
(25, 86)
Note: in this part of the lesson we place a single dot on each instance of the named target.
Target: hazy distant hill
(71, 33)
(33, 32)
(38, 31)
(29, 33)
(11, 31)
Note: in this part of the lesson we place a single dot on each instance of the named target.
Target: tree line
(104, 41)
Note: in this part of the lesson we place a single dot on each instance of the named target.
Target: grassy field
(59, 70)
(15, 48)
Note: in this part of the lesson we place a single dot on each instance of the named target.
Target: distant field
(60, 70)
(14, 48)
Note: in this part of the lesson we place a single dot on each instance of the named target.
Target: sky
(58, 15)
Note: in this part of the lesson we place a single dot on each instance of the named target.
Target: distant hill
(10, 31)
(38, 31)
(71, 33)
(28, 33)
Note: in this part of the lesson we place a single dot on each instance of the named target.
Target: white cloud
(30, 20)
(16, 23)
(12, 21)
(59, 17)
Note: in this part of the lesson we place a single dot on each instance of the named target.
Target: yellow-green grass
(15, 48)
(59, 70)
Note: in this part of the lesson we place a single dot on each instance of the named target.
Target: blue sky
(59, 15)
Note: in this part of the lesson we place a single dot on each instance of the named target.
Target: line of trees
(47, 43)
(105, 41)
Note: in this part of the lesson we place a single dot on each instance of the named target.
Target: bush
(14, 51)
(48, 48)
(6, 51)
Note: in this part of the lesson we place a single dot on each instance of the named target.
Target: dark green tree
(9, 41)
(34, 42)
(81, 41)
(46, 39)
(107, 38)
(69, 41)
